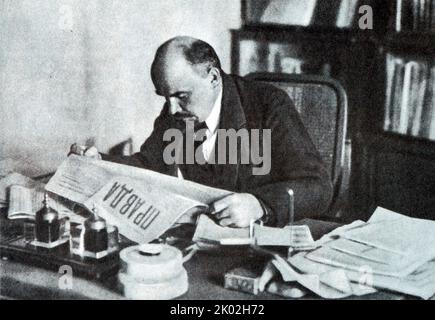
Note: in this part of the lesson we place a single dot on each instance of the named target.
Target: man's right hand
(90, 152)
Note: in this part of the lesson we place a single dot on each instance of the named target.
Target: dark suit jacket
(295, 162)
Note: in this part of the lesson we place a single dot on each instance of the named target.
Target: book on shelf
(430, 105)
(340, 14)
(347, 13)
(414, 15)
(289, 12)
(325, 13)
(395, 68)
(409, 100)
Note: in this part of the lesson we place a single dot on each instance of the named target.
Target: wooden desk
(205, 270)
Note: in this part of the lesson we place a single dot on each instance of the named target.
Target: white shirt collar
(212, 120)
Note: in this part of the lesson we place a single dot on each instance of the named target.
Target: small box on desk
(242, 279)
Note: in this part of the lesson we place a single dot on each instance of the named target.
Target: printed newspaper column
(141, 212)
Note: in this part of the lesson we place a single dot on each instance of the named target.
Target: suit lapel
(232, 117)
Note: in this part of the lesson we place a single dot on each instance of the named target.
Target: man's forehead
(174, 76)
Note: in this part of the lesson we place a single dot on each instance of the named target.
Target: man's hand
(237, 210)
(90, 152)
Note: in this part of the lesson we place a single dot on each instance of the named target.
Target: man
(187, 72)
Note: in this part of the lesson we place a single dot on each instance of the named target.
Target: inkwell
(95, 235)
(47, 224)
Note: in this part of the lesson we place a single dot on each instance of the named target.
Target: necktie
(198, 144)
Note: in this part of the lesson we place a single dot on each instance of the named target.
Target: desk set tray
(14, 247)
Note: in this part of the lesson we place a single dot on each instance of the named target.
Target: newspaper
(79, 178)
(117, 192)
(140, 211)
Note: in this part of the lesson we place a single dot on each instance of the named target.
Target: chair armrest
(339, 202)
(341, 198)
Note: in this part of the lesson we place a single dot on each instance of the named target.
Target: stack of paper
(209, 232)
(297, 237)
(390, 251)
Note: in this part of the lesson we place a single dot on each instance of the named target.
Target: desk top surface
(205, 271)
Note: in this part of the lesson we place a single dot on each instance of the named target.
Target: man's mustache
(184, 115)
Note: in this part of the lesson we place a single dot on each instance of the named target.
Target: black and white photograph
(229, 151)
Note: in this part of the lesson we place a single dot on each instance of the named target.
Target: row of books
(260, 56)
(415, 15)
(337, 13)
(410, 96)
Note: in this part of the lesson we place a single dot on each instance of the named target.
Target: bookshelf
(400, 163)
(390, 167)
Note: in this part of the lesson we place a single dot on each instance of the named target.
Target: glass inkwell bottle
(48, 230)
(94, 238)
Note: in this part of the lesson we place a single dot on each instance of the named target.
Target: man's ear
(215, 77)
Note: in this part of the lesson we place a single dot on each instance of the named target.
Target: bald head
(196, 53)
(187, 72)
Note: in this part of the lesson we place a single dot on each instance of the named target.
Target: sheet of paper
(207, 230)
(336, 258)
(79, 178)
(334, 277)
(397, 233)
(342, 287)
(140, 211)
(420, 283)
(336, 233)
(295, 236)
(166, 183)
(367, 252)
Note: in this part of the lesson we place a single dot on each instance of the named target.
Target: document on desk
(421, 283)
(298, 236)
(397, 233)
(330, 284)
(391, 251)
(389, 243)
